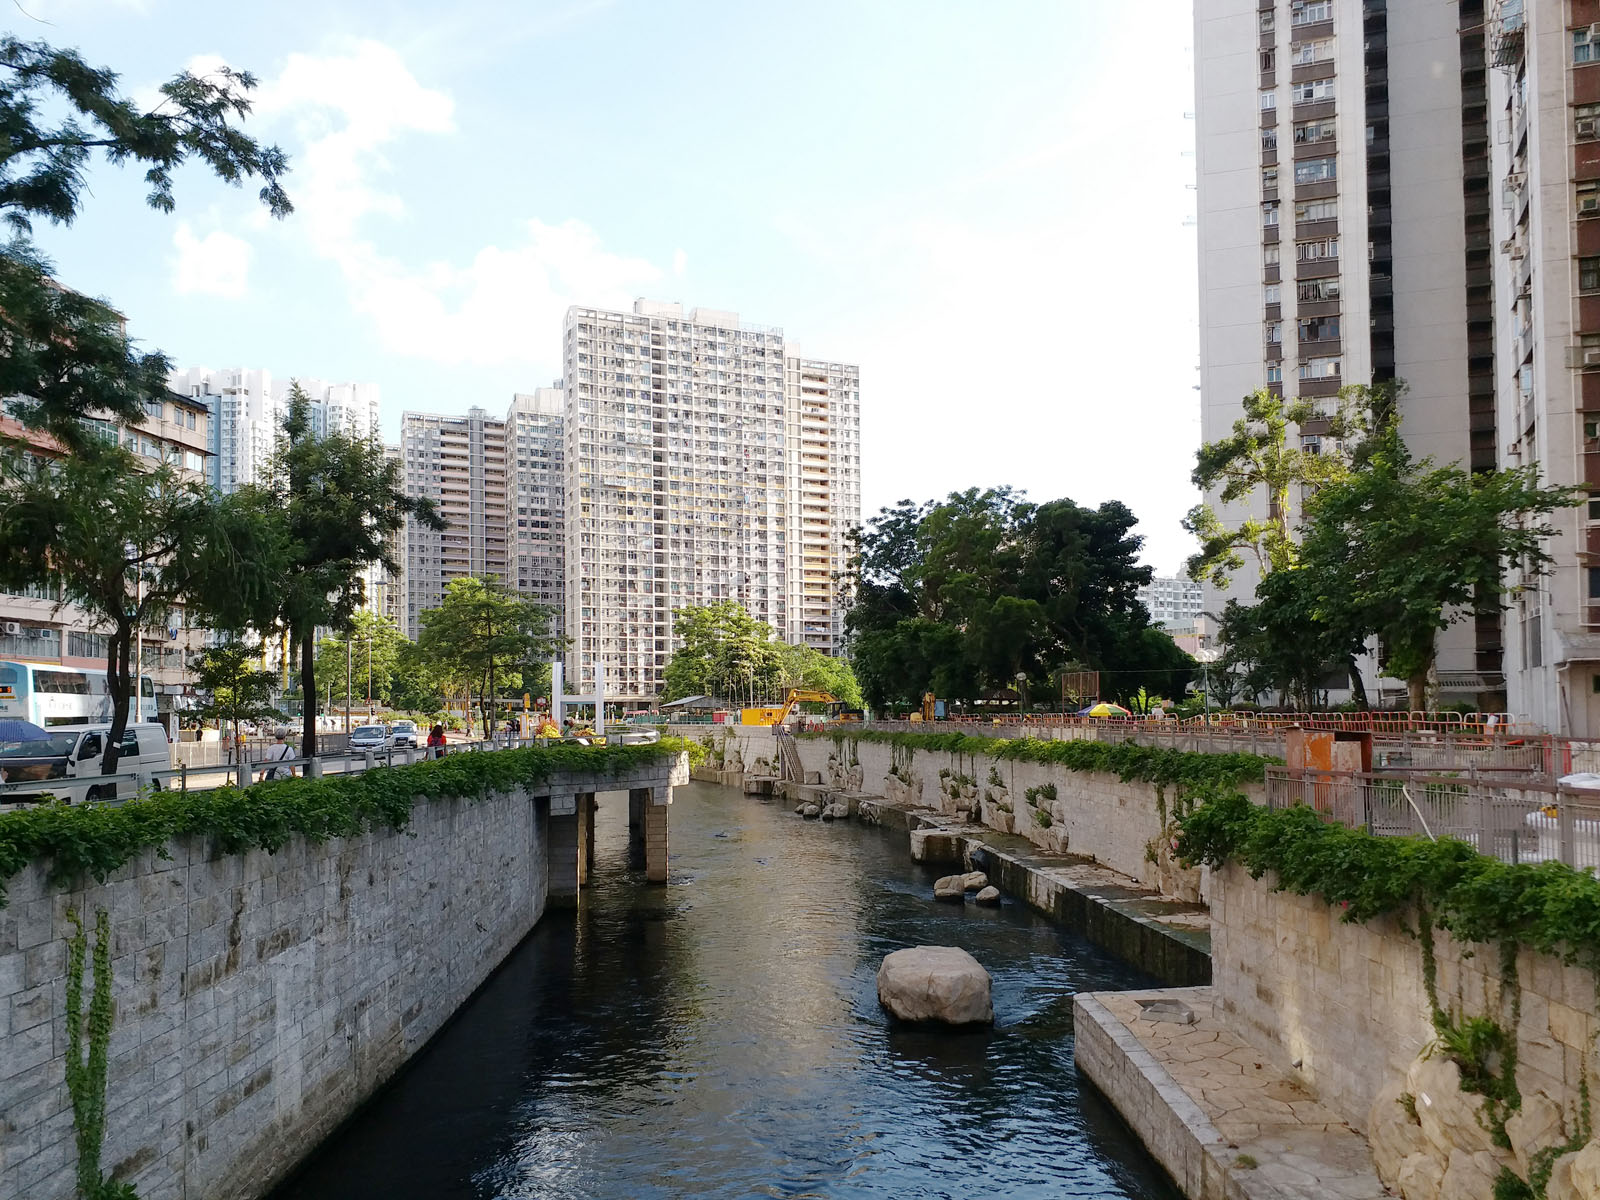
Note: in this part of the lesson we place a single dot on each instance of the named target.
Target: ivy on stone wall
(86, 1073)
(94, 840)
(1160, 765)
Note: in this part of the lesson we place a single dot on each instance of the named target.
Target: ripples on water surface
(722, 1037)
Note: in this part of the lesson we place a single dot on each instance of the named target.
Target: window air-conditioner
(1591, 356)
(13, 627)
(1594, 32)
(1586, 127)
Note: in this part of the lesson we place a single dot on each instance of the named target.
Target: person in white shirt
(278, 752)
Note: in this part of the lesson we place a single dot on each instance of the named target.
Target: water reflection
(722, 1037)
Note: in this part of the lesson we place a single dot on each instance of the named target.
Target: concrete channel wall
(1344, 1008)
(261, 998)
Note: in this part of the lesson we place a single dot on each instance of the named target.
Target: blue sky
(983, 204)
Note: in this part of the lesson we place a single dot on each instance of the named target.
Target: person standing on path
(436, 742)
(279, 752)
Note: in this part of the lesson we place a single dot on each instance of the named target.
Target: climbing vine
(94, 840)
(86, 1075)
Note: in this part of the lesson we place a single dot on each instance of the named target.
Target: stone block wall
(259, 998)
(1347, 1002)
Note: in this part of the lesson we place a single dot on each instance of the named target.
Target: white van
(67, 766)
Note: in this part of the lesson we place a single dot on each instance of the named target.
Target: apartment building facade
(1174, 603)
(36, 627)
(535, 500)
(696, 471)
(1544, 102)
(1343, 158)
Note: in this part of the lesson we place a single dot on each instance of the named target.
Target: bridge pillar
(585, 856)
(564, 853)
(655, 833)
(638, 801)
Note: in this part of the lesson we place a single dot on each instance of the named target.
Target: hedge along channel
(1194, 774)
(1549, 908)
(94, 840)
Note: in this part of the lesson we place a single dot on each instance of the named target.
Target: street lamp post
(1022, 691)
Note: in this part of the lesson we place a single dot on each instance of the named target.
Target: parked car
(67, 764)
(405, 733)
(372, 737)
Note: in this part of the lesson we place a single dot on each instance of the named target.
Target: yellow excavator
(777, 716)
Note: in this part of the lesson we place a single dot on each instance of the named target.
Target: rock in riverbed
(951, 887)
(988, 895)
(941, 985)
(810, 812)
(975, 881)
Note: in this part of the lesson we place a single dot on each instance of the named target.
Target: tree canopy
(961, 596)
(488, 637)
(725, 652)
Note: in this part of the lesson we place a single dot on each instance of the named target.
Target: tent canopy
(696, 703)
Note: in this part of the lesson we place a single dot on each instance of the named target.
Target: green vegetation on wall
(94, 840)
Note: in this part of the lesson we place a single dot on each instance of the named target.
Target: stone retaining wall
(259, 998)
(1345, 1009)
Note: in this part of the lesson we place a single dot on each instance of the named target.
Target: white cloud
(215, 265)
(347, 110)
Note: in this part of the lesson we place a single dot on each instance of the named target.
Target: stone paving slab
(1207, 1105)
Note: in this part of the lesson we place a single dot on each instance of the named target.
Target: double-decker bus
(51, 695)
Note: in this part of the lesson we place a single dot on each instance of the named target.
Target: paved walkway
(1242, 1110)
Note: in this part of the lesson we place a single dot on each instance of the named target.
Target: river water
(721, 1037)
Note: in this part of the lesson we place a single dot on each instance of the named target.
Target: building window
(1267, 59)
(1274, 333)
(1269, 255)
(1269, 179)
(1586, 122)
(1587, 197)
(1311, 91)
(1594, 508)
(1309, 12)
(1310, 132)
(1589, 274)
(1273, 294)
(1269, 213)
(1274, 372)
(1266, 20)
(1269, 140)
(1585, 47)
(1594, 583)
(1269, 99)
(1316, 210)
(1318, 248)
(1320, 368)
(1311, 290)
(1315, 170)
(1319, 329)
(1304, 53)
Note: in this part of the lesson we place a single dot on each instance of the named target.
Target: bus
(51, 695)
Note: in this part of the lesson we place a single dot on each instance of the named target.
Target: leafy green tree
(339, 503)
(235, 689)
(483, 633)
(722, 651)
(367, 654)
(128, 545)
(1291, 641)
(417, 685)
(67, 357)
(809, 668)
(1403, 548)
(961, 596)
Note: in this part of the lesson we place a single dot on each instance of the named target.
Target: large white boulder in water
(935, 984)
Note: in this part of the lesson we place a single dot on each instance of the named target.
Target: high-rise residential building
(1345, 225)
(823, 444)
(458, 462)
(535, 505)
(1173, 603)
(1543, 107)
(697, 471)
(250, 406)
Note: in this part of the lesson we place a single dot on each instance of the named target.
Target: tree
(722, 651)
(368, 653)
(340, 504)
(1290, 641)
(961, 596)
(1403, 548)
(129, 545)
(417, 685)
(67, 357)
(484, 634)
(235, 689)
(809, 668)
(1258, 454)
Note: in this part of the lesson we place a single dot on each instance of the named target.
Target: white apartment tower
(535, 505)
(458, 462)
(691, 455)
(1344, 225)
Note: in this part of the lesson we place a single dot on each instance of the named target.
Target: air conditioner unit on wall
(1585, 127)
(1591, 356)
(13, 627)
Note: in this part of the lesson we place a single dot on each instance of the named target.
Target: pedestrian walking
(279, 752)
(436, 742)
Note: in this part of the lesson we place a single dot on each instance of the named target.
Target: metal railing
(1517, 820)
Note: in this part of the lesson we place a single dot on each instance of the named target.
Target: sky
(987, 205)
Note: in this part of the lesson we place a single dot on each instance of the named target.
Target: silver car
(372, 737)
